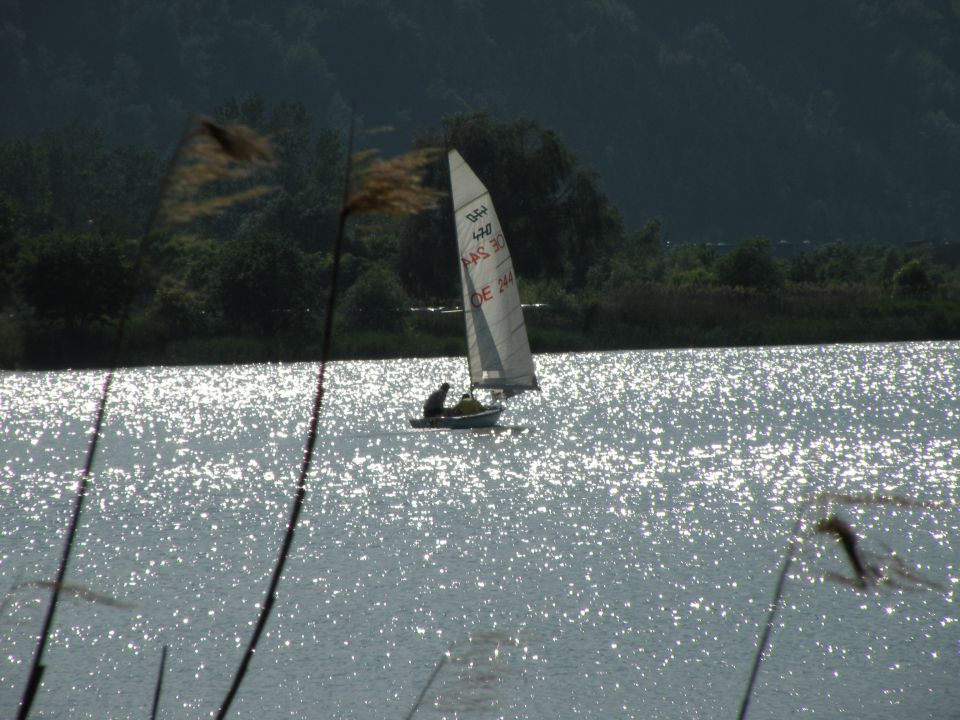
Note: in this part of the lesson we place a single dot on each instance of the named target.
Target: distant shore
(651, 316)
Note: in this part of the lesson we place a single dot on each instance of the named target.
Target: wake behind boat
(498, 350)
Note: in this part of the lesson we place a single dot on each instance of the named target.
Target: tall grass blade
(867, 574)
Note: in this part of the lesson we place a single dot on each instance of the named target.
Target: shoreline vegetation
(663, 318)
(248, 284)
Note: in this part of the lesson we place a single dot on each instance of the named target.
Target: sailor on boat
(468, 405)
(433, 407)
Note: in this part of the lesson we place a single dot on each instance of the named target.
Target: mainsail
(497, 346)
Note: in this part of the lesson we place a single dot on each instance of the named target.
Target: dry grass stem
(214, 156)
(77, 591)
(392, 187)
(872, 499)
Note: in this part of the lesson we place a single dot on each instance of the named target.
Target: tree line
(251, 283)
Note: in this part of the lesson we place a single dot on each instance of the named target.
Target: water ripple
(609, 553)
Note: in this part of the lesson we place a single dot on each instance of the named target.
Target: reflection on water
(610, 552)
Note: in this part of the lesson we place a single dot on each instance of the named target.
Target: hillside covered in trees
(823, 121)
(684, 174)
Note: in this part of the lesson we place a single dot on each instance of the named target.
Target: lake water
(610, 553)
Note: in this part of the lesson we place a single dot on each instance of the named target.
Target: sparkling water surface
(610, 552)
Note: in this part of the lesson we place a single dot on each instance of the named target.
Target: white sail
(497, 346)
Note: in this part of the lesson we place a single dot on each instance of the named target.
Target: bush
(76, 278)
(261, 284)
(750, 265)
(11, 343)
(912, 281)
(376, 301)
(177, 311)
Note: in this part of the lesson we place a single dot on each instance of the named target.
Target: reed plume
(214, 158)
(870, 570)
(391, 187)
(480, 663)
(865, 574)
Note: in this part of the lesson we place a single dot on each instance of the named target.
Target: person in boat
(433, 407)
(468, 405)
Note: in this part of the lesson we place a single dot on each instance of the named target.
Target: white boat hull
(485, 419)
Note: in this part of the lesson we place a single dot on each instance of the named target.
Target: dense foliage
(251, 282)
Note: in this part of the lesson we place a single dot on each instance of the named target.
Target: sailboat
(498, 350)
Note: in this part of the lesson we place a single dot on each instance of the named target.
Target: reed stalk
(865, 576)
(37, 667)
(433, 676)
(159, 688)
(392, 187)
(301, 488)
(223, 148)
(774, 610)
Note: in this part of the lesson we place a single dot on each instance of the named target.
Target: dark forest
(690, 174)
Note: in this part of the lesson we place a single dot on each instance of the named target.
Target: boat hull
(485, 419)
